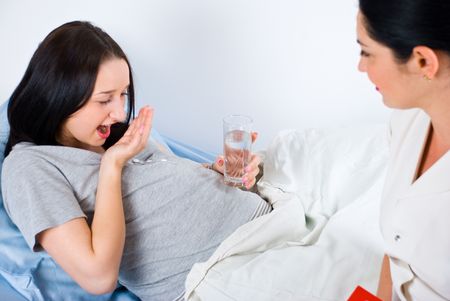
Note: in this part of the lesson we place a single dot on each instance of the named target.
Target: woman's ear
(425, 61)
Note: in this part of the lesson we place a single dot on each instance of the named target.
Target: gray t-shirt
(177, 212)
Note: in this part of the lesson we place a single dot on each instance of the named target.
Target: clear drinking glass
(237, 143)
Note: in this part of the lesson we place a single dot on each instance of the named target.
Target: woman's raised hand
(135, 138)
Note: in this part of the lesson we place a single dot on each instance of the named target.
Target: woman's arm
(384, 291)
(91, 256)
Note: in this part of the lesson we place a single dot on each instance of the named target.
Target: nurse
(405, 51)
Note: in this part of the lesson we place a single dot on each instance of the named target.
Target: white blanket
(322, 238)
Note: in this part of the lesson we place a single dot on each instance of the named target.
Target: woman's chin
(390, 104)
(396, 104)
(95, 148)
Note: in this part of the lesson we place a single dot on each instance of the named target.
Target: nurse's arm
(384, 291)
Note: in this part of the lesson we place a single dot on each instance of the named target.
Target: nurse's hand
(251, 171)
(134, 140)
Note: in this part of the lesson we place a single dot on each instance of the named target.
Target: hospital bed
(319, 243)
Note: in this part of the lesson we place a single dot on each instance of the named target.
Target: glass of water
(237, 143)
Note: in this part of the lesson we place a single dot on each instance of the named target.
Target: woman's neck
(438, 140)
(97, 149)
(437, 144)
(440, 121)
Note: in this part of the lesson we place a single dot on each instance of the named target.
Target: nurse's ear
(424, 61)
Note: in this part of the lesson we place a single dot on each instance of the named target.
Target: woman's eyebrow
(105, 92)
(360, 43)
(111, 91)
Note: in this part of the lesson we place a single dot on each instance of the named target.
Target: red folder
(360, 294)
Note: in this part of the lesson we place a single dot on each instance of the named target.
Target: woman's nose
(361, 65)
(118, 113)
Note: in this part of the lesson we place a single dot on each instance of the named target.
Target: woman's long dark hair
(404, 24)
(59, 80)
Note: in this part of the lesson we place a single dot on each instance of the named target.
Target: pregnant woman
(85, 187)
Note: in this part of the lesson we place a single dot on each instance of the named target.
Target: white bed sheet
(322, 238)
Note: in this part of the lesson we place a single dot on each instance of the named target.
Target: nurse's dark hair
(402, 25)
(59, 80)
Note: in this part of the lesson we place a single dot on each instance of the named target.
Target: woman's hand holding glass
(251, 170)
(135, 138)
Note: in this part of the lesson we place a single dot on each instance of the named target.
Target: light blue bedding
(25, 275)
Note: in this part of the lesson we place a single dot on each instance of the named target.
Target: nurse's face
(392, 79)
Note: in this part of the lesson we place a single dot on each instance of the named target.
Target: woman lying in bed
(102, 202)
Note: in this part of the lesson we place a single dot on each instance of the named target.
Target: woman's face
(89, 127)
(391, 79)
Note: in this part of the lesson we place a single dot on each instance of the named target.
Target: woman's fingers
(142, 127)
(146, 125)
(251, 171)
(136, 136)
(143, 119)
(219, 164)
(254, 163)
(131, 127)
(254, 136)
(234, 165)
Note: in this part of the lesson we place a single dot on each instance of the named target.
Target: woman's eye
(363, 53)
(105, 102)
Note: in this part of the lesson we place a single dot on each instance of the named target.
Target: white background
(287, 63)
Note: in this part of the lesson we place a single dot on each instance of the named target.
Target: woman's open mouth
(104, 131)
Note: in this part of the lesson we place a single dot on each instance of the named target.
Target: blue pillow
(35, 275)
(187, 151)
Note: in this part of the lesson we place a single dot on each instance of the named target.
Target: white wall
(287, 63)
